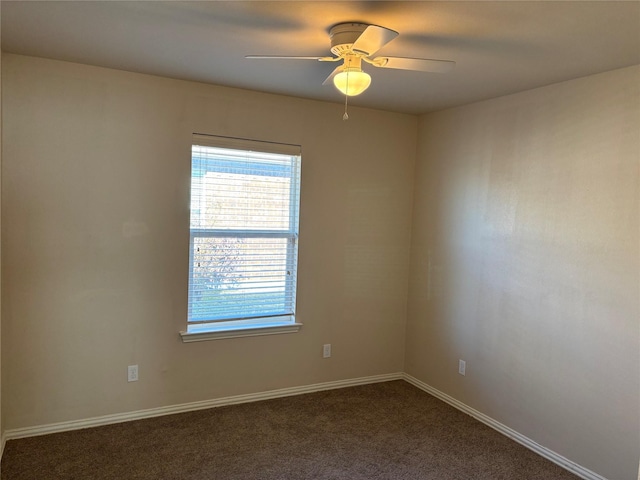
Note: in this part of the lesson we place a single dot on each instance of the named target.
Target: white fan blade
(418, 64)
(329, 79)
(286, 57)
(373, 39)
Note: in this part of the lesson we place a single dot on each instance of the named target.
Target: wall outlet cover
(462, 367)
(132, 373)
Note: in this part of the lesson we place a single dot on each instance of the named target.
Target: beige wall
(525, 263)
(95, 224)
(525, 251)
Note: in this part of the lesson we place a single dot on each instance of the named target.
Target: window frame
(218, 328)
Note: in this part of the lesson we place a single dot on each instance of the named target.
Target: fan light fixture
(351, 80)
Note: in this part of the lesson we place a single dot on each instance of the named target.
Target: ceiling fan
(353, 43)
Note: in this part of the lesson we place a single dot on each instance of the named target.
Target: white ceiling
(500, 47)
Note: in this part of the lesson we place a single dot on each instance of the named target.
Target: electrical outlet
(462, 367)
(132, 373)
(326, 350)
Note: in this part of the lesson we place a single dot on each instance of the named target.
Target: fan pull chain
(345, 117)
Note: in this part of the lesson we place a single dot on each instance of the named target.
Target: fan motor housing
(343, 36)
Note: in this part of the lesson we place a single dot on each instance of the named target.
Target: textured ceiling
(500, 47)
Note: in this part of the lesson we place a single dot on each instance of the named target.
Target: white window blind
(244, 233)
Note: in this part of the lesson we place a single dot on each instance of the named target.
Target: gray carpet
(382, 431)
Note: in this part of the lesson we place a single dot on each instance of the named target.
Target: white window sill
(236, 331)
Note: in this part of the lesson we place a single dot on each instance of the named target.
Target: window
(243, 252)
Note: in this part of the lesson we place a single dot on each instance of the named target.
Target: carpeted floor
(390, 431)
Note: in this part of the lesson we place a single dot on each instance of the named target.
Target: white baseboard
(193, 406)
(512, 434)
